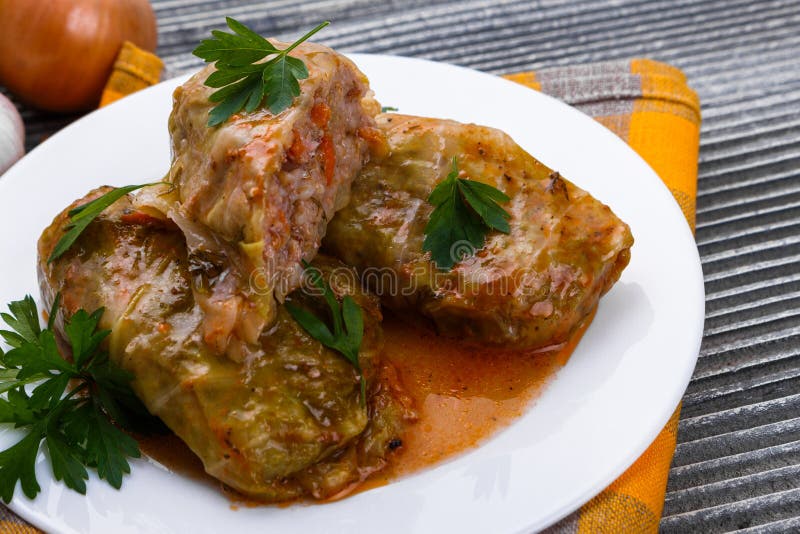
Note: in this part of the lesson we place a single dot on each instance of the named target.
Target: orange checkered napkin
(647, 104)
(133, 70)
(650, 106)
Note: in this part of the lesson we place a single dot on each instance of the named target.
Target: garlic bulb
(12, 134)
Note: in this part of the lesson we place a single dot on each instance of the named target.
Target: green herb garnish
(244, 83)
(348, 325)
(387, 109)
(465, 212)
(71, 407)
(81, 216)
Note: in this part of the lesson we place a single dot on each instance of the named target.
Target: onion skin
(57, 55)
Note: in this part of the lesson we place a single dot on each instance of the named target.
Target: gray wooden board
(737, 464)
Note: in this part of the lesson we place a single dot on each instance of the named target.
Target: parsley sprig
(466, 210)
(348, 324)
(72, 407)
(81, 217)
(241, 82)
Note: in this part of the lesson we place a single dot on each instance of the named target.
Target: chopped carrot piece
(143, 219)
(298, 150)
(328, 158)
(321, 114)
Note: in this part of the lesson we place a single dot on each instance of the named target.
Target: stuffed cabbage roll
(286, 421)
(529, 288)
(258, 189)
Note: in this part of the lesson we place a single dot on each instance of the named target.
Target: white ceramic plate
(597, 416)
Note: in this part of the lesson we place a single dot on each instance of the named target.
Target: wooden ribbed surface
(737, 465)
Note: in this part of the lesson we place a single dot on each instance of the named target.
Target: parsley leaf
(83, 335)
(15, 408)
(81, 216)
(26, 326)
(241, 82)
(348, 325)
(9, 380)
(68, 465)
(18, 463)
(465, 212)
(104, 446)
(72, 408)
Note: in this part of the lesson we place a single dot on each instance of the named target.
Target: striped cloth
(649, 105)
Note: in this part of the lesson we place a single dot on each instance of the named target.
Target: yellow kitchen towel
(646, 103)
(650, 106)
(133, 70)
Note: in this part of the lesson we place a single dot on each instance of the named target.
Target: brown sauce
(462, 394)
(172, 453)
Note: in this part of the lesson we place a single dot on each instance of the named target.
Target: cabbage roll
(258, 190)
(529, 288)
(285, 421)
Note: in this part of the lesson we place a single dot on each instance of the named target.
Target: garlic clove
(12, 134)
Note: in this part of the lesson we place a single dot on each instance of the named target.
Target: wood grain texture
(738, 460)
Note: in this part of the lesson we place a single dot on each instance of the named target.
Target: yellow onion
(57, 54)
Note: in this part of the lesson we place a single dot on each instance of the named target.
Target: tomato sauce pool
(462, 394)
